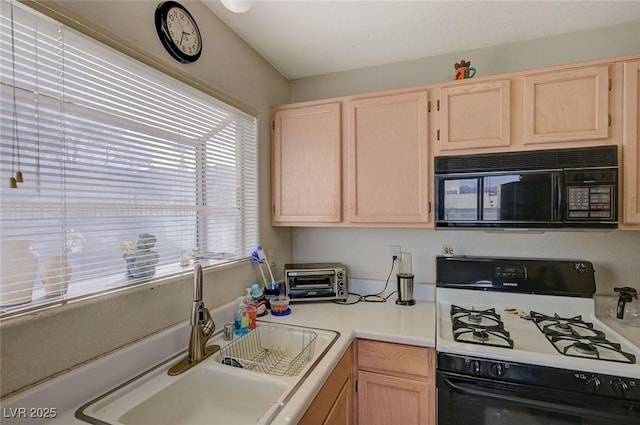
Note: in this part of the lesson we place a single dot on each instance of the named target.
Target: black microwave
(545, 189)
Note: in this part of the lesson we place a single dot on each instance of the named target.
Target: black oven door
(464, 400)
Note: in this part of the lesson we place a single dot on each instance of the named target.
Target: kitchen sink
(214, 392)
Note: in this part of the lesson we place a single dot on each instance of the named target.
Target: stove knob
(474, 365)
(619, 387)
(593, 384)
(497, 369)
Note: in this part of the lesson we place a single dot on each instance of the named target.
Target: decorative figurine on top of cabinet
(464, 70)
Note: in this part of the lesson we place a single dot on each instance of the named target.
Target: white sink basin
(205, 394)
(211, 392)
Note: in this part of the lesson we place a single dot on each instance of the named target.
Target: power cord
(379, 296)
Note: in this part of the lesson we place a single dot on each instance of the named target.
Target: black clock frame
(161, 27)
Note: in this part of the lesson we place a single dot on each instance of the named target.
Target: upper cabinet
(306, 164)
(474, 115)
(566, 106)
(631, 144)
(366, 160)
(387, 159)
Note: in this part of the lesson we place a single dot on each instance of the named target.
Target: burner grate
(572, 336)
(468, 327)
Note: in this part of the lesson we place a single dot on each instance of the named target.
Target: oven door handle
(539, 404)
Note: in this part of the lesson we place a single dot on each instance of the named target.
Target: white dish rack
(272, 349)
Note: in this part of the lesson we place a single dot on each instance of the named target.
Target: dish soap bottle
(259, 300)
(241, 321)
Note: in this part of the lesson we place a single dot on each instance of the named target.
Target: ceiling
(304, 38)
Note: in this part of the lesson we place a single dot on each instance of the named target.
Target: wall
(44, 344)
(601, 43)
(366, 251)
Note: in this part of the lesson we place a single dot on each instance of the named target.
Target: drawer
(396, 358)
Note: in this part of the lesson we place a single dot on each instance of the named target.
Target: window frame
(201, 223)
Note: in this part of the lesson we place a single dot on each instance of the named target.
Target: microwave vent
(599, 156)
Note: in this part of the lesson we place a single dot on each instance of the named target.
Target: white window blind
(114, 154)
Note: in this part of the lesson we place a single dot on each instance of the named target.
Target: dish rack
(271, 349)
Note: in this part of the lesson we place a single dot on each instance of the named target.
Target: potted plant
(140, 258)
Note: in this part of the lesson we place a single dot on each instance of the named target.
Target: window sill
(88, 288)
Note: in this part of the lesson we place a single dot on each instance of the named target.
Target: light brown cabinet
(334, 403)
(306, 164)
(631, 144)
(395, 384)
(387, 159)
(475, 115)
(566, 106)
(366, 160)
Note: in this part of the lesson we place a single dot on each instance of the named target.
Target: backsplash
(366, 251)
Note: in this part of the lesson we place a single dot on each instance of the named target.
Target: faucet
(202, 328)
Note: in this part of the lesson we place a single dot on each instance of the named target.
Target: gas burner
(584, 348)
(574, 326)
(467, 316)
(494, 336)
(475, 317)
(577, 338)
(481, 336)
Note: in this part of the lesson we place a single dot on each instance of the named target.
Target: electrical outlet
(395, 251)
(272, 258)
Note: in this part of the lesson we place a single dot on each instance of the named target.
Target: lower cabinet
(395, 384)
(334, 403)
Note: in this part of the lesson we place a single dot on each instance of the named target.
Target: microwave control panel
(590, 202)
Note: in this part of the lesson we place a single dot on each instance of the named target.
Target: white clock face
(182, 31)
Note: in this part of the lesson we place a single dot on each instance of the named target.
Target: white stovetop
(413, 325)
(530, 344)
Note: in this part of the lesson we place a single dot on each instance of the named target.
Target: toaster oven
(316, 281)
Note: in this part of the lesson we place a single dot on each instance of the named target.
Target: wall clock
(178, 32)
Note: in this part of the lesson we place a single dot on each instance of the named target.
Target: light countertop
(414, 325)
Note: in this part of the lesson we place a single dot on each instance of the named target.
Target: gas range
(524, 328)
(530, 324)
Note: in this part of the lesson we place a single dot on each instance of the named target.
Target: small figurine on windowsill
(464, 70)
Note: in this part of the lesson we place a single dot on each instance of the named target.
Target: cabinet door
(306, 162)
(333, 403)
(387, 159)
(631, 144)
(390, 400)
(565, 106)
(341, 412)
(475, 116)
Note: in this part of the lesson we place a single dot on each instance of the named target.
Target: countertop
(414, 325)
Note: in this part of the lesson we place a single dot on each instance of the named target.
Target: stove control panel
(542, 376)
(511, 271)
(610, 385)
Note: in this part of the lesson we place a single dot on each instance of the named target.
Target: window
(126, 171)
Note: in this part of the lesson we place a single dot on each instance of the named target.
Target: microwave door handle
(557, 206)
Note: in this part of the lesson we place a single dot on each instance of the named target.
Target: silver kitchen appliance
(405, 280)
(316, 281)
